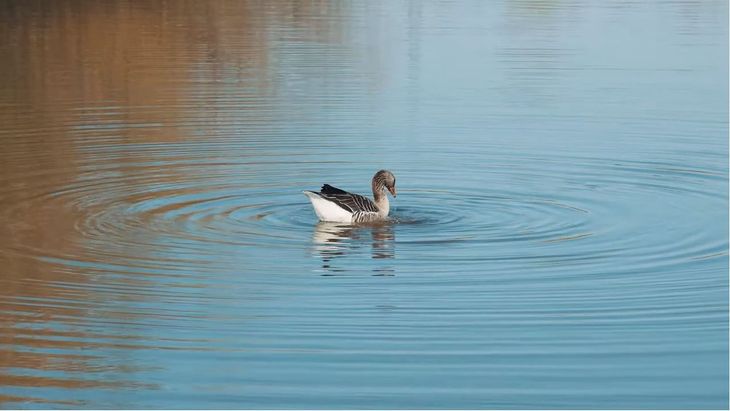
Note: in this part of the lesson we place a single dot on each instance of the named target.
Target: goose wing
(353, 203)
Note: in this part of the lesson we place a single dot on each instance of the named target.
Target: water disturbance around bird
(559, 239)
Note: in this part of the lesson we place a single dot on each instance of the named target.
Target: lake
(559, 239)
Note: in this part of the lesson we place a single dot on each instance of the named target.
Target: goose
(339, 206)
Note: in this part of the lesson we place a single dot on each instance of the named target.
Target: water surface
(560, 238)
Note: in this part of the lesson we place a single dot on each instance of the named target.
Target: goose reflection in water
(333, 241)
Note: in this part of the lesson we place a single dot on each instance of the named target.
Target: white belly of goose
(327, 210)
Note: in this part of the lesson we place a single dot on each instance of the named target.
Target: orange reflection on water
(80, 74)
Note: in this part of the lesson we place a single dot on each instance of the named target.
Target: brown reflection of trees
(75, 73)
(147, 63)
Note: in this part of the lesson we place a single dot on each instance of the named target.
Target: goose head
(383, 180)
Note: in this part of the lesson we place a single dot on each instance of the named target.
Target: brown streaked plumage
(333, 204)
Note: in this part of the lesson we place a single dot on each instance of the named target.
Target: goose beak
(392, 191)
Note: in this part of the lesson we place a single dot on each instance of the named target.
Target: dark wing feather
(351, 202)
(328, 189)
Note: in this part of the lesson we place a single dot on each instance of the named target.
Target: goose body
(335, 205)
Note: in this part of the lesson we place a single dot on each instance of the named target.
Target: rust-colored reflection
(77, 75)
(151, 65)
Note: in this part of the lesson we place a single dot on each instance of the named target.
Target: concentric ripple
(560, 237)
(177, 243)
(118, 213)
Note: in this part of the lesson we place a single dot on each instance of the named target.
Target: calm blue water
(560, 237)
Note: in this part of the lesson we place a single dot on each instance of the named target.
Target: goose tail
(327, 210)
